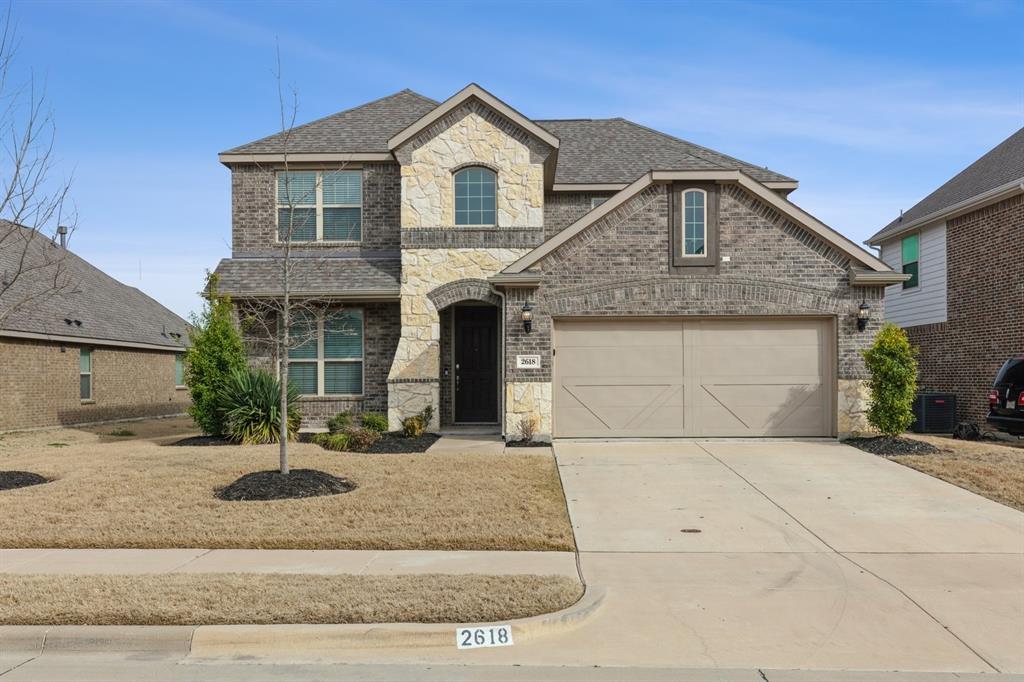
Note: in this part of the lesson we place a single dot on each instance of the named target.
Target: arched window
(475, 196)
(695, 222)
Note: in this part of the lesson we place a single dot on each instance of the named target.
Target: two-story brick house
(963, 248)
(603, 277)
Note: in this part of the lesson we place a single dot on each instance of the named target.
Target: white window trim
(682, 224)
(320, 206)
(455, 219)
(91, 397)
(321, 361)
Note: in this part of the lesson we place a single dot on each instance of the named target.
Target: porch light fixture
(863, 313)
(527, 315)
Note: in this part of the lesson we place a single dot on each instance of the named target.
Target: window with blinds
(322, 206)
(85, 373)
(326, 354)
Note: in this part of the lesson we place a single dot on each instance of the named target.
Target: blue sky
(871, 105)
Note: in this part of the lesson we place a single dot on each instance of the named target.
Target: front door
(476, 364)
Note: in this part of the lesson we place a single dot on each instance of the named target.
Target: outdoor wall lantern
(527, 316)
(863, 314)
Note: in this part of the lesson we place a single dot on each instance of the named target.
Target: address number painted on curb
(476, 638)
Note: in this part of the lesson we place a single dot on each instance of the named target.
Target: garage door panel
(759, 360)
(738, 377)
(658, 361)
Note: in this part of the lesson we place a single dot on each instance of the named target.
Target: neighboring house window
(320, 206)
(597, 201)
(326, 357)
(911, 249)
(475, 191)
(179, 369)
(695, 219)
(85, 374)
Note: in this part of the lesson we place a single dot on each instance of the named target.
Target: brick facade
(985, 307)
(39, 385)
(253, 210)
(620, 266)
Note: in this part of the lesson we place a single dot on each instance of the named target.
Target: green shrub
(339, 422)
(122, 433)
(414, 426)
(375, 422)
(215, 351)
(360, 440)
(332, 441)
(251, 402)
(893, 368)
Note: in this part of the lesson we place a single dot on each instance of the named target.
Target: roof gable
(787, 208)
(472, 91)
(1002, 167)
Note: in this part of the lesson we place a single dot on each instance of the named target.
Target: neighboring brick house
(602, 277)
(963, 307)
(77, 346)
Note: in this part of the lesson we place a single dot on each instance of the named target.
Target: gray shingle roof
(312, 276)
(611, 150)
(614, 150)
(107, 309)
(365, 128)
(1002, 165)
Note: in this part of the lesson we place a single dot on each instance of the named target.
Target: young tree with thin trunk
(32, 203)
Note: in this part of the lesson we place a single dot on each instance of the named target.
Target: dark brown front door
(476, 364)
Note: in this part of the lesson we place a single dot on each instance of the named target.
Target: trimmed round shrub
(251, 404)
(375, 422)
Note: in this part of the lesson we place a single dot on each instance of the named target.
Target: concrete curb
(230, 642)
(325, 641)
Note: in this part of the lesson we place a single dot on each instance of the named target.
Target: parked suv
(1006, 399)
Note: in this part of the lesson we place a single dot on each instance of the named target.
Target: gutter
(966, 206)
(871, 278)
(87, 341)
(366, 295)
(516, 279)
(228, 158)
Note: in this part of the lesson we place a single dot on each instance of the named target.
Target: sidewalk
(318, 562)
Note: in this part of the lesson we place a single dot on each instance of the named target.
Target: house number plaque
(527, 362)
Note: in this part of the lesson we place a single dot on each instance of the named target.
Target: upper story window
(320, 206)
(910, 252)
(475, 191)
(326, 357)
(695, 222)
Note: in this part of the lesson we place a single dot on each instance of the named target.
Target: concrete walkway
(321, 562)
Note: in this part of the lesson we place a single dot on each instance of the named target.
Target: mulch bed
(526, 444)
(273, 485)
(397, 444)
(9, 480)
(885, 445)
(193, 441)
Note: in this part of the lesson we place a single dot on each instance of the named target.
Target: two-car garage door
(672, 377)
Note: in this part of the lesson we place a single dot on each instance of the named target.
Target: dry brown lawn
(139, 492)
(993, 470)
(224, 598)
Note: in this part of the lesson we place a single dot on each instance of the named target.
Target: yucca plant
(250, 403)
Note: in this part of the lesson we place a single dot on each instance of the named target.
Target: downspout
(501, 360)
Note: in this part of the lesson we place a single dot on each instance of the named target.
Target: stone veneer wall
(620, 266)
(414, 380)
(435, 252)
(39, 385)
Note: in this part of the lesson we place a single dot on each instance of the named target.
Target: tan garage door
(671, 377)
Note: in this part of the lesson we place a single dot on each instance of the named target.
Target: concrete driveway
(791, 555)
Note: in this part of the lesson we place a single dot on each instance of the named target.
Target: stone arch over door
(463, 290)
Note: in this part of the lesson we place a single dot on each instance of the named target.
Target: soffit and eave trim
(992, 196)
